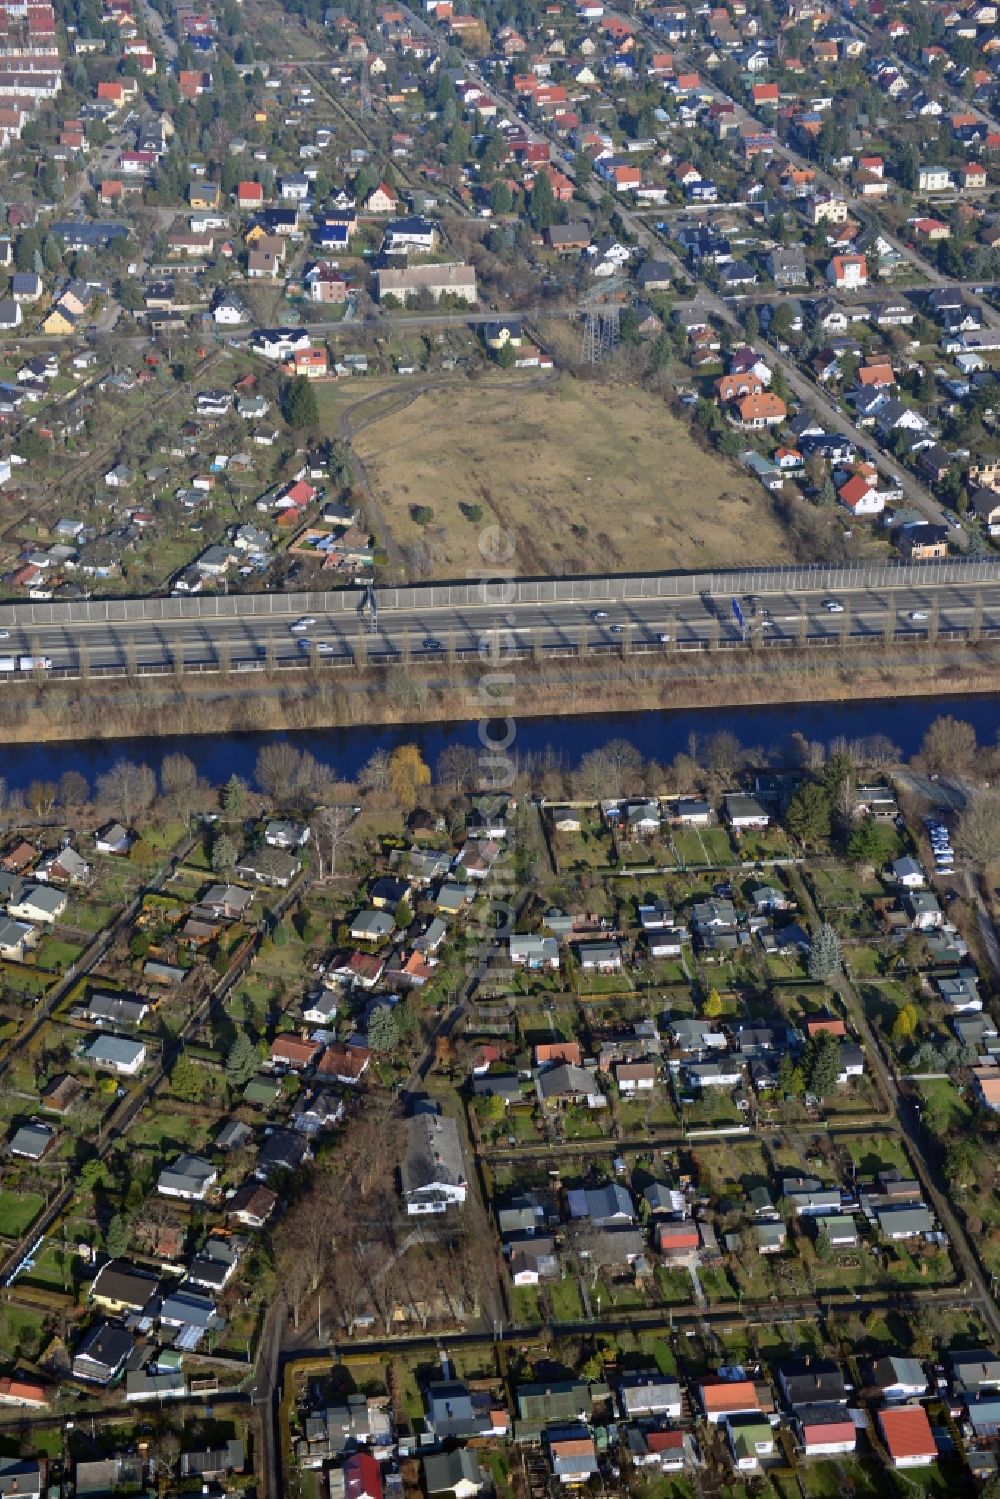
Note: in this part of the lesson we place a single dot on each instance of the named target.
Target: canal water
(658, 734)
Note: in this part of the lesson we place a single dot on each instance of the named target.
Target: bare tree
(375, 774)
(313, 783)
(457, 767)
(725, 754)
(878, 751)
(329, 826)
(277, 770)
(346, 1279)
(42, 797)
(294, 1276)
(127, 789)
(889, 626)
(179, 784)
(978, 832)
(605, 771)
(948, 745)
(74, 789)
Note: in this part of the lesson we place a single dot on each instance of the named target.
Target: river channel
(658, 735)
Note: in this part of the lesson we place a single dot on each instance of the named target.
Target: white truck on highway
(25, 663)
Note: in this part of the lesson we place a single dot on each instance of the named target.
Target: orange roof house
(762, 410)
(558, 1051)
(562, 188)
(25, 1392)
(859, 495)
(908, 1436)
(825, 1025)
(677, 1236)
(732, 387)
(728, 1397)
(876, 376)
(290, 1051)
(310, 362)
(988, 1086)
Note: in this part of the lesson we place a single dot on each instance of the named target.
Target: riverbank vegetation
(293, 699)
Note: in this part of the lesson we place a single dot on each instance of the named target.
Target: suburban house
(452, 280)
(908, 1438)
(189, 1178)
(722, 1398)
(38, 903)
(433, 1171)
(115, 1054)
(534, 952)
(848, 272)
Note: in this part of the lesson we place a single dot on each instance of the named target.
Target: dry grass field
(587, 478)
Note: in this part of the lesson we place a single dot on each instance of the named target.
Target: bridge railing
(969, 571)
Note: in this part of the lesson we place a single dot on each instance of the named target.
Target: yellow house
(204, 195)
(253, 234)
(59, 321)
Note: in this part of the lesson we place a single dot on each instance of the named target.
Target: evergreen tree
(543, 202)
(116, 1240)
(383, 1030)
(242, 1061)
(300, 405)
(822, 1064)
(187, 1081)
(824, 954)
(869, 842)
(224, 853)
(808, 815)
(234, 796)
(501, 201)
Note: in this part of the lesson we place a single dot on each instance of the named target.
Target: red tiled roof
(907, 1432)
(729, 1395)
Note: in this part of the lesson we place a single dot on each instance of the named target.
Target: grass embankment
(335, 699)
(587, 478)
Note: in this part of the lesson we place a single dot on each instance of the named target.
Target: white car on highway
(833, 606)
(302, 625)
(917, 615)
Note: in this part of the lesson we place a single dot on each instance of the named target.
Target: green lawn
(524, 1304)
(56, 955)
(690, 849)
(18, 1210)
(717, 845)
(53, 1269)
(22, 1331)
(565, 1297)
(674, 1286)
(944, 1107)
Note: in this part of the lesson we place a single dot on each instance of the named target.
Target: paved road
(436, 631)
